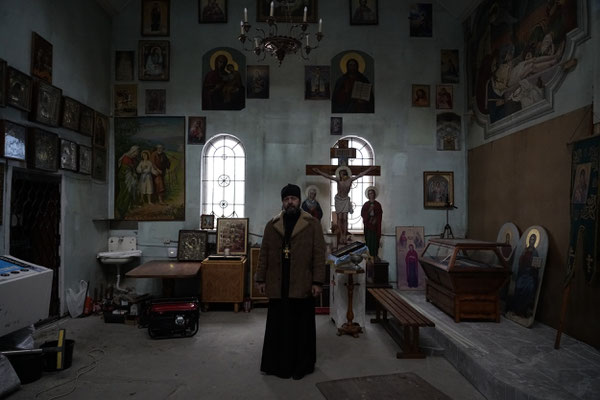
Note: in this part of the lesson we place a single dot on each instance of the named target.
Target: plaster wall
(80, 34)
(285, 132)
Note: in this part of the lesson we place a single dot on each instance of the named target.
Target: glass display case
(464, 277)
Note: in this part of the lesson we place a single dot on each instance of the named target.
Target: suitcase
(173, 317)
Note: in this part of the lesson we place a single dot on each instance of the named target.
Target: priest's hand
(316, 290)
(261, 287)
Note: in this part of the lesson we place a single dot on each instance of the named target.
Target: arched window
(364, 156)
(223, 177)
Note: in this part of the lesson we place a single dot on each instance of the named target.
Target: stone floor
(469, 360)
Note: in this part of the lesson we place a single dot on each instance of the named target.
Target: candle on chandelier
(272, 8)
(242, 27)
(305, 11)
(307, 41)
(256, 43)
(320, 24)
(245, 15)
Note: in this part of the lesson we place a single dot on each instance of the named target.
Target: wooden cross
(343, 153)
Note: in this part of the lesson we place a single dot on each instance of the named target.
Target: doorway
(35, 224)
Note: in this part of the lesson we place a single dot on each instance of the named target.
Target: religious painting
(285, 11)
(410, 242)
(1, 191)
(232, 236)
(153, 60)
(420, 96)
(192, 245)
(581, 183)
(316, 82)
(3, 67)
(438, 189)
(125, 100)
(86, 121)
(156, 101)
(19, 89)
(448, 131)
(508, 235)
(46, 103)
(527, 274)
(444, 97)
(84, 162)
(353, 74)
(155, 17)
(363, 12)
(149, 169)
(517, 57)
(336, 127)
(207, 221)
(257, 81)
(101, 125)
(223, 82)
(421, 17)
(196, 130)
(41, 58)
(124, 61)
(99, 164)
(68, 155)
(584, 223)
(43, 150)
(212, 11)
(449, 66)
(14, 139)
(71, 111)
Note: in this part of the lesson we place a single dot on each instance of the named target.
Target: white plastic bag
(76, 300)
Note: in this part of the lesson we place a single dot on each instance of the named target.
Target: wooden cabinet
(464, 277)
(223, 281)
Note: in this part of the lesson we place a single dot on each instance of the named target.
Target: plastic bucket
(27, 366)
(50, 356)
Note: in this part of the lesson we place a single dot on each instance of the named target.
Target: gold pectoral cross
(286, 251)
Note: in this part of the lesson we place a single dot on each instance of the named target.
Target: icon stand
(447, 232)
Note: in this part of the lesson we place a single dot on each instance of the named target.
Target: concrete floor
(221, 362)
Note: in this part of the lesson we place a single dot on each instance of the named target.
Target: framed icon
(420, 96)
(156, 101)
(207, 221)
(71, 112)
(197, 132)
(363, 12)
(18, 90)
(192, 245)
(232, 236)
(126, 100)
(100, 130)
(84, 160)
(86, 121)
(46, 103)
(14, 139)
(212, 11)
(68, 155)
(155, 17)
(153, 60)
(124, 65)
(438, 189)
(41, 58)
(42, 150)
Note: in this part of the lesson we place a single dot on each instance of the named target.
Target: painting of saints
(353, 91)
(580, 186)
(223, 87)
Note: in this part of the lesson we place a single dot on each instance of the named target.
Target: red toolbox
(173, 317)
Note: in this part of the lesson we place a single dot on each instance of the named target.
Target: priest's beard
(291, 210)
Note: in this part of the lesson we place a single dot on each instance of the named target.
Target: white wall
(80, 34)
(284, 133)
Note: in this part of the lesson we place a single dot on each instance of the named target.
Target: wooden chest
(222, 281)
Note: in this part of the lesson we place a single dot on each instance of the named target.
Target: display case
(464, 277)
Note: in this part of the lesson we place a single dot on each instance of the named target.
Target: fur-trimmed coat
(307, 252)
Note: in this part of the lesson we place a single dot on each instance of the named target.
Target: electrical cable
(81, 371)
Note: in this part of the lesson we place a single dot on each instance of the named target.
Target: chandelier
(297, 41)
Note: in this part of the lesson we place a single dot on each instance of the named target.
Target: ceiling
(457, 8)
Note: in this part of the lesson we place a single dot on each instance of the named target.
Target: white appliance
(24, 293)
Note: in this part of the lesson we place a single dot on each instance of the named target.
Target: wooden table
(350, 327)
(168, 271)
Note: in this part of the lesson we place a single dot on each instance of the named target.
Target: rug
(381, 387)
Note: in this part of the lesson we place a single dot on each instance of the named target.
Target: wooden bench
(387, 300)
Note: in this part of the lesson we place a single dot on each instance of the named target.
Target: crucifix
(344, 175)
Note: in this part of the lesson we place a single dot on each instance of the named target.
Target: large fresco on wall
(518, 53)
(150, 169)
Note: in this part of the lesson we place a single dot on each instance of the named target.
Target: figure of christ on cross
(342, 201)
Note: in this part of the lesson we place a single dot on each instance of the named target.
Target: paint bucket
(27, 366)
(49, 361)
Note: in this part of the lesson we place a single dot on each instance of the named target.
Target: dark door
(35, 224)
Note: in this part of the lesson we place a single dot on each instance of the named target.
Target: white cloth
(338, 297)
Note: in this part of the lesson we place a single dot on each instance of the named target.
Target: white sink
(118, 257)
